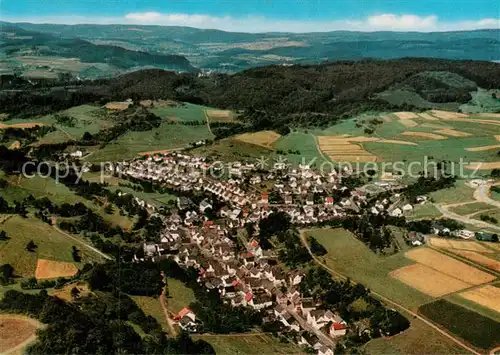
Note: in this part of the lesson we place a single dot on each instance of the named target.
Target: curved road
(482, 194)
(386, 300)
(465, 219)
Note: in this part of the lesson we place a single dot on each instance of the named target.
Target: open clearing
(50, 269)
(479, 258)
(17, 332)
(151, 307)
(449, 266)
(453, 133)
(119, 106)
(487, 296)
(219, 115)
(21, 125)
(424, 135)
(230, 344)
(352, 258)
(264, 139)
(459, 244)
(427, 280)
(64, 293)
(179, 295)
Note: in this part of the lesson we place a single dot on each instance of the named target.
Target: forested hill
(17, 42)
(312, 94)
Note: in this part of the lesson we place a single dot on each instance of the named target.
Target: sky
(265, 15)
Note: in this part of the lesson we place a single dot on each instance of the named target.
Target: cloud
(378, 22)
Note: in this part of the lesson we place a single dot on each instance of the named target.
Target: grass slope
(179, 296)
(51, 244)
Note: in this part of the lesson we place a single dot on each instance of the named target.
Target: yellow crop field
(427, 280)
(479, 258)
(483, 166)
(459, 244)
(21, 125)
(426, 116)
(447, 115)
(264, 139)
(453, 133)
(406, 115)
(487, 296)
(339, 148)
(449, 266)
(219, 115)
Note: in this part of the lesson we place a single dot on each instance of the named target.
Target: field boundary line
(386, 300)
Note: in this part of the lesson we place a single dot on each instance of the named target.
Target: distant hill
(235, 51)
(28, 48)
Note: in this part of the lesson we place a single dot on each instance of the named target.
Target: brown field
(483, 148)
(219, 115)
(449, 266)
(453, 133)
(386, 118)
(15, 145)
(487, 296)
(117, 105)
(479, 258)
(483, 166)
(424, 135)
(490, 115)
(264, 139)
(17, 332)
(340, 148)
(65, 292)
(492, 245)
(160, 103)
(459, 244)
(497, 138)
(406, 115)
(428, 117)
(447, 115)
(21, 125)
(408, 123)
(427, 280)
(49, 269)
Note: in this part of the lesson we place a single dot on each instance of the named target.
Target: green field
(305, 143)
(167, 136)
(474, 328)
(229, 149)
(187, 112)
(248, 344)
(459, 193)
(151, 307)
(179, 295)
(51, 243)
(350, 257)
(471, 208)
(419, 336)
(427, 210)
(492, 213)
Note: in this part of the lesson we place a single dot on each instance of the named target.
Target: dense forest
(272, 96)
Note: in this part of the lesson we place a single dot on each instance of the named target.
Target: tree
(3, 235)
(75, 292)
(87, 136)
(31, 246)
(6, 273)
(76, 254)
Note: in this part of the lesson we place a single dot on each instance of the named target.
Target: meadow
(186, 112)
(151, 307)
(227, 344)
(51, 244)
(179, 295)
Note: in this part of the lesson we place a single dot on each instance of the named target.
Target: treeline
(273, 96)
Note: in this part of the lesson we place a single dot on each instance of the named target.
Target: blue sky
(265, 15)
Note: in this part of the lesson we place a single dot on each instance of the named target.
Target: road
(386, 300)
(173, 331)
(304, 325)
(482, 195)
(464, 219)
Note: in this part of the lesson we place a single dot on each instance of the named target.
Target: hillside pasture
(182, 112)
(51, 244)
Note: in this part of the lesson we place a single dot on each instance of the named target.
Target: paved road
(386, 300)
(304, 325)
(482, 195)
(465, 219)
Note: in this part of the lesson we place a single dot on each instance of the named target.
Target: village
(251, 277)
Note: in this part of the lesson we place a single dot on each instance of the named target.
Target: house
(186, 320)
(465, 234)
(288, 199)
(310, 200)
(329, 201)
(204, 205)
(324, 350)
(319, 317)
(407, 208)
(261, 301)
(397, 212)
(264, 198)
(338, 327)
(310, 340)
